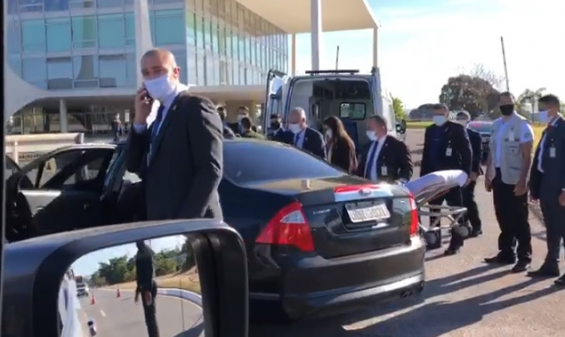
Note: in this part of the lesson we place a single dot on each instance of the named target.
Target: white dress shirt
(379, 144)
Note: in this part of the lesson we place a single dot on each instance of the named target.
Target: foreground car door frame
(33, 271)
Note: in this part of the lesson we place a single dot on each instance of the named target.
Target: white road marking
(102, 313)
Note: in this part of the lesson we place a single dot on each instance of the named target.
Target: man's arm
(206, 144)
(136, 148)
(465, 149)
(424, 163)
(477, 147)
(526, 145)
(405, 166)
(320, 145)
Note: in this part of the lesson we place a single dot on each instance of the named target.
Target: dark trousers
(453, 198)
(150, 313)
(512, 216)
(472, 208)
(554, 220)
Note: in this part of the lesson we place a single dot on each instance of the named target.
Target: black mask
(507, 109)
(275, 124)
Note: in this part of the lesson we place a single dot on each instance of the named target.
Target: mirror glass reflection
(145, 288)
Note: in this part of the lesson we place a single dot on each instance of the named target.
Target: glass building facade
(66, 44)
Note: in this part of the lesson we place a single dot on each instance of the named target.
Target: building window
(33, 36)
(111, 31)
(14, 37)
(85, 71)
(214, 33)
(59, 73)
(15, 62)
(56, 5)
(34, 71)
(191, 29)
(84, 32)
(191, 70)
(209, 69)
(79, 4)
(180, 57)
(130, 29)
(168, 27)
(30, 6)
(200, 64)
(131, 61)
(207, 34)
(113, 71)
(58, 35)
(199, 31)
(109, 3)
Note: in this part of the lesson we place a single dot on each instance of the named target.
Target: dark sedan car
(318, 240)
(484, 128)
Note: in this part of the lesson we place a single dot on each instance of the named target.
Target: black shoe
(451, 251)
(546, 270)
(475, 233)
(521, 267)
(500, 259)
(560, 282)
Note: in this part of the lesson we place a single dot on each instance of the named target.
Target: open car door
(62, 190)
(276, 81)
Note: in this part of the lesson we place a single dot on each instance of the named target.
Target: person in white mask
(179, 156)
(547, 184)
(304, 137)
(384, 158)
(447, 147)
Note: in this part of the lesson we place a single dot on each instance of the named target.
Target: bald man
(179, 156)
(303, 136)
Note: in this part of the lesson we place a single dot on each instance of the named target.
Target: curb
(182, 294)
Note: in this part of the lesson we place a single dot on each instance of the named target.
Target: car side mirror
(190, 276)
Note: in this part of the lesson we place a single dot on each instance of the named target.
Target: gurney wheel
(433, 239)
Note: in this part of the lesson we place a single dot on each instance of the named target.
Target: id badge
(552, 152)
(448, 152)
(511, 136)
(384, 171)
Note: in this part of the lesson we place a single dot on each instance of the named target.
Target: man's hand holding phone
(143, 104)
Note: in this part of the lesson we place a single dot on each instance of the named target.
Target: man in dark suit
(247, 131)
(180, 156)
(547, 184)
(303, 136)
(463, 118)
(385, 158)
(275, 129)
(447, 147)
(146, 286)
(227, 132)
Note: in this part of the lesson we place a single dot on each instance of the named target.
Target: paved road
(463, 297)
(121, 317)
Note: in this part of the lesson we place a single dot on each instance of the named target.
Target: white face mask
(543, 117)
(159, 88)
(329, 133)
(294, 128)
(439, 120)
(372, 135)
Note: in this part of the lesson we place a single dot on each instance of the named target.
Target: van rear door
(276, 81)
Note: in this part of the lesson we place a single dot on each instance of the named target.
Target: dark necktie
(371, 160)
(156, 124)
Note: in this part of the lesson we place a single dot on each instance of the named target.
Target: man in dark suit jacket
(385, 158)
(227, 131)
(246, 129)
(447, 147)
(547, 184)
(303, 136)
(469, 202)
(180, 156)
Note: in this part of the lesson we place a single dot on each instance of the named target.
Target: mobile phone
(147, 96)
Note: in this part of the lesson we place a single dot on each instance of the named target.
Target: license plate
(367, 212)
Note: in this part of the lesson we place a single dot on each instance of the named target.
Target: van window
(352, 110)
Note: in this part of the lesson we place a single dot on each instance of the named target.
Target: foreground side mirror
(40, 277)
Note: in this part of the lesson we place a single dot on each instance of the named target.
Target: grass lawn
(186, 280)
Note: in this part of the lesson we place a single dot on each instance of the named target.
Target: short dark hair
(275, 116)
(505, 94)
(463, 114)
(246, 123)
(379, 119)
(440, 106)
(550, 100)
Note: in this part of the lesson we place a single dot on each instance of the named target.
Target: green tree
(528, 96)
(398, 107)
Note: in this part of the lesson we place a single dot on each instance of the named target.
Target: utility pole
(505, 67)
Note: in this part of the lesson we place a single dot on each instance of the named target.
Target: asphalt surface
(121, 317)
(463, 296)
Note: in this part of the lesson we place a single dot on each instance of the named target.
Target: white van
(347, 94)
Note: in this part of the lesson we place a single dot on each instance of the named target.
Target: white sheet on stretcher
(436, 180)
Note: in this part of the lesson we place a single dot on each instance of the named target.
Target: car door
(67, 190)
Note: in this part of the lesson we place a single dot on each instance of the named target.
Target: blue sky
(89, 263)
(422, 43)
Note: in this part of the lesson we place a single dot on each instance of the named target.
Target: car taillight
(288, 227)
(414, 221)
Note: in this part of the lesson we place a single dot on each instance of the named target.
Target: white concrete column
(293, 55)
(63, 117)
(375, 47)
(316, 31)
(143, 40)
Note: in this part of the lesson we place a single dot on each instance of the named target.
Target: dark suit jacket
(477, 148)
(549, 184)
(455, 137)
(394, 156)
(185, 170)
(313, 142)
(252, 134)
(343, 155)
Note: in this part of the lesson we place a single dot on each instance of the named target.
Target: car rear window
(250, 162)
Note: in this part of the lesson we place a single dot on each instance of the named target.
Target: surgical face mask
(543, 116)
(372, 135)
(294, 127)
(507, 109)
(329, 133)
(439, 120)
(159, 88)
